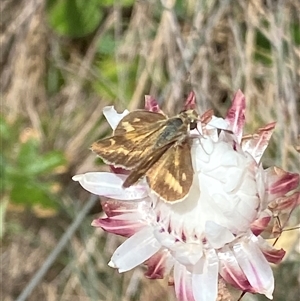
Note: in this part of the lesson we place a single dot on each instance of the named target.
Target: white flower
(214, 231)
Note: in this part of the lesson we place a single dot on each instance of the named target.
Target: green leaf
(30, 162)
(74, 18)
(27, 154)
(26, 174)
(31, 193)
(45, 163)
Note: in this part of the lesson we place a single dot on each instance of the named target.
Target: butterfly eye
(193, 125)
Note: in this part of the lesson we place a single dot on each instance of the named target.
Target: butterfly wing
(132, 140)
(145, 164)
(171, 176)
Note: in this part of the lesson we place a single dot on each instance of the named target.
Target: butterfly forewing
(132, 139)
(139, 120)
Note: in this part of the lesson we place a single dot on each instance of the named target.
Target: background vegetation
(62, 61)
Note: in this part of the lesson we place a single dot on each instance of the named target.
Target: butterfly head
(191, 118)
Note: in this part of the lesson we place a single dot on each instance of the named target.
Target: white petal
(205, 278)
(112, 116)
(208, 145)
(135, 250)
(217, 235)
(199, 156)
(187, 254)
(218, 123)
(165, 239)
(255, 266)
(110, 185)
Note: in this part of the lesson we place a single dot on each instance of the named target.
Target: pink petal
(207, 116)
(232, 272)
(152, 105)
(118, 170)
(259, 225)
(288, 203)
(115, 208)
(255, 266)
(257, 143)
(110, 185)
(123, 227)
(280, 182)
(183, 283)
(135, 250)
(235, 115)
(190, 103)
(159, 265)
(272, 255)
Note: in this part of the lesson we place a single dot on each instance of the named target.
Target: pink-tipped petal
(232, 272)
(288, 203)
(118, 170)
(190, 103)
(152, 105)
(255, 266)
(114, 207)
(272, 255)
(280, 181)
(207, 116)
(235, 115)
(135, 250)
(159, 265)
(183, 283)
(115, 225)
(259, 225)
(257, 143)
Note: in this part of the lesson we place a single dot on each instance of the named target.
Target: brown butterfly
(153, 145)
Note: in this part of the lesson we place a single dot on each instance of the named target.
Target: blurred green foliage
(78, 18)
(74, 18)
(26, 174)
(108, 70)
(296, 33)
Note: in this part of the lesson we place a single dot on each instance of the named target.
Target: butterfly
(151, 144)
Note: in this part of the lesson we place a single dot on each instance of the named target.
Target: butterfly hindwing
(171, 176)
